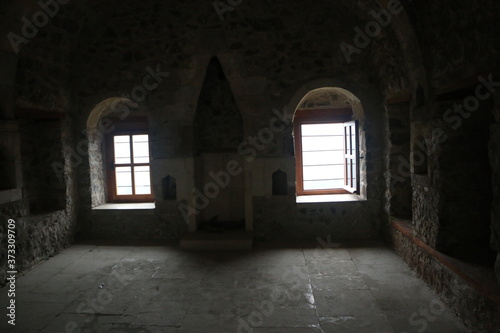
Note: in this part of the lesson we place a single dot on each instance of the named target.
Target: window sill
(139, 207)
(328, 198)
(12, 195)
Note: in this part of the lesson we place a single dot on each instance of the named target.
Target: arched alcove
(280, 182)
(419, 97)
(218, 133)
(169, 188)
(100, 123)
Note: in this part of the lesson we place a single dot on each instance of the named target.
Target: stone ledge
(9, 126)
(142, 208)
(301, 199)
(11, 195)
(229, 240)
(467, 272)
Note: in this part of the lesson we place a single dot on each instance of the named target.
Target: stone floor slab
(131, 288)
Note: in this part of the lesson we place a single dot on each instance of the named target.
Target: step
(226, 240)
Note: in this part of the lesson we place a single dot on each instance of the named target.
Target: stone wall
(43, 76)
(38, 237)
(45, 211)
(44, 181)
(494, 148)
(450, 171)
(474, 307)
(266, 55)
(463, 174)
(458, 38)
(158, 55)
(280, 218)
(397, 153)
(165, 224)
(34, 83)
(453, 206)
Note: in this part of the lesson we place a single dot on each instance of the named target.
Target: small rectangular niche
(169, 188)
(280, 183)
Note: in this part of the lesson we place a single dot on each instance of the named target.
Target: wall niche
(169, 188)
(218, 132)
(280, 182)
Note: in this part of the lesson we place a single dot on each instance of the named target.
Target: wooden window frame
(124, 128)
(321, 116)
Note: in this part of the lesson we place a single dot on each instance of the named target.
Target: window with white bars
(326, 150)
(129, 172)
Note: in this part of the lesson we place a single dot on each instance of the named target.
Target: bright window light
(132, 172)
(323, 156)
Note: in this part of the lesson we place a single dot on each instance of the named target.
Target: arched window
(329, 145)
(119, 153)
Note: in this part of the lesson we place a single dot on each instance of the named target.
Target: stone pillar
(398, 181)
(494, 147)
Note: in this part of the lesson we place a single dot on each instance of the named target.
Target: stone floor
(102, 287)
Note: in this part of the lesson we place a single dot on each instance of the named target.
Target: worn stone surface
(280, 289)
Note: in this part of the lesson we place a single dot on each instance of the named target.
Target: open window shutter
(351, 156)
